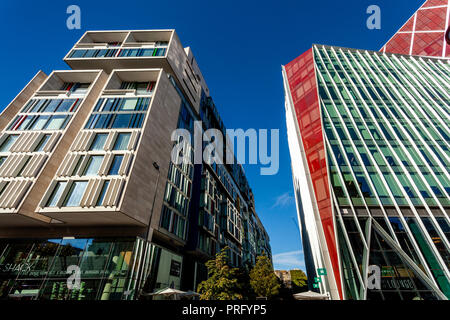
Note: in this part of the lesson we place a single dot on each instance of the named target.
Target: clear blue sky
(240, 47)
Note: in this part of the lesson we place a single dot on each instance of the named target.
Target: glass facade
(108, 268)
(114, 53)
(45, 114)
(177, 197)
(118, 113)
(385, 124)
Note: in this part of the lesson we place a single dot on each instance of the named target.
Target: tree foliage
(243, 277)
(222, 283)
(299, 279)
(263, 279)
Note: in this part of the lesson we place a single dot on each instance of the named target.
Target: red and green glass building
(369, 137)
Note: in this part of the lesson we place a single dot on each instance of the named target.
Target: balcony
(110, 50)
(131, 83)
(63, 84)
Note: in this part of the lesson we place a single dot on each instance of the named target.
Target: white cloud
(284, 200)
(288, 260)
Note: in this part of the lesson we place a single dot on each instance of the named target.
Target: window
(118, 113)
(23, 122)
(99, 141)
(56, 123)
(149, 52)
(122, 141)
(42, 143)
(6, 145)
(2, 159)
(175, 268)
(67, 104)
(165, 218)
(39, 122)
(93, 166)
(122, 121)
(56, 194)
(80, 88)
(39, 106)
(144, 87)
(78, 165)
(29, 120)
(24, 165)
(128, 104)
(115, 165)
(102, 193)
(75, 194)
(2, 189)
(52, 105)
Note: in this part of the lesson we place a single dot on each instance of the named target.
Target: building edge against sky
(353, 203)
(86, 176)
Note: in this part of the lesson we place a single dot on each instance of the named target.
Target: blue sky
(240, 47)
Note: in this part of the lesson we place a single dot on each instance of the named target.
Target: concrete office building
(86, 176)
(369, 141)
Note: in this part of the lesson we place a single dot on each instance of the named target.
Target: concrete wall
(155, 146)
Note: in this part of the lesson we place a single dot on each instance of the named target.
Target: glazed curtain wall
(110, 268)
(386, 120)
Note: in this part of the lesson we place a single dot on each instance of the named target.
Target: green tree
(222, 283)
(299, 280)
(243, 277)
(263, 279)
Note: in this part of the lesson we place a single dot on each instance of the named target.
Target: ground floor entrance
(85, 269)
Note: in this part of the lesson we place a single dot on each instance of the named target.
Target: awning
(310, 295)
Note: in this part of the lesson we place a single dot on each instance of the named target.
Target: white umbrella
(310, 295)
(167, 292)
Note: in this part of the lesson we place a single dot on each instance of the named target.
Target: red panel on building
(428, 44)
(400, 43)
(408, 25)
(426, 30)
(303, 87)
(434, 3)
(431, 19)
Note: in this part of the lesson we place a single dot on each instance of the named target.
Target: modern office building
(369, 141)
(87, 179)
